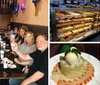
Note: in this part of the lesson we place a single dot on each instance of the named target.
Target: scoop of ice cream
(71, 58)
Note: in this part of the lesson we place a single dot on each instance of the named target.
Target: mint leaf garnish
(66, 48)
(76, 51)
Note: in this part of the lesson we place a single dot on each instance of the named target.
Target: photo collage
(49, 42)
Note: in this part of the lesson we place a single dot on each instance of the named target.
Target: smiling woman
(20, 37)
(28, 44)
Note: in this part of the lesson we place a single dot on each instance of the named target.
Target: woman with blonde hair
(27, 47)
(29, 43)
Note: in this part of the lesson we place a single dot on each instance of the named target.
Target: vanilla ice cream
(71, 58)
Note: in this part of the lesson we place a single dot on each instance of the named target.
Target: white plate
(95, 62)
(10, 61)
(12, 66)
(6, 50)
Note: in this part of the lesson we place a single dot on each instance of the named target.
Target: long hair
(25, 28)
(32, 37)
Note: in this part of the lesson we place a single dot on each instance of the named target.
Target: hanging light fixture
(35, 1)
(16, 7)
(36, 6)
(22, 6)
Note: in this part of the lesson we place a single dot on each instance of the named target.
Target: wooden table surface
(11, 73)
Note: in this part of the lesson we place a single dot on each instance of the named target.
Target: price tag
(75, 2)
(68, 2)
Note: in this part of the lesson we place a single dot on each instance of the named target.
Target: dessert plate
(95, 62)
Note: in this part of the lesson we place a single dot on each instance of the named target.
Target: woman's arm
(21, 55)
(19, 43)
(27, 62)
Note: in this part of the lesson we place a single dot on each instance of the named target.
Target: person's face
(41, 43)
(16, 30)
(22, 32)
(28, 38)
(9, 28)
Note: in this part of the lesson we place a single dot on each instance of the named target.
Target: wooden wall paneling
(4, 20)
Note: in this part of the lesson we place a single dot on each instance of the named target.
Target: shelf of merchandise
(55, 25)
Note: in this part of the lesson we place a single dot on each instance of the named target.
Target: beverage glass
(2, 54)
(5, 63)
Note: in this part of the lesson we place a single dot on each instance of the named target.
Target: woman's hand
(17, 61)
(26, 69)
(14, 47)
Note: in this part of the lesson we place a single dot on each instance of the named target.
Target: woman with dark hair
(9, 29)
(20, 37)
